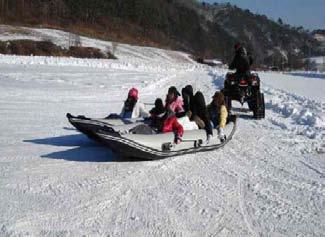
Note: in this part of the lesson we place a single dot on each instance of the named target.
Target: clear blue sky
(307, 13)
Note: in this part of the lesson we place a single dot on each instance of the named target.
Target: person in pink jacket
(164, 121)
(174, 102)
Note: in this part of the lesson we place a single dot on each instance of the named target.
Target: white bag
(187, 124)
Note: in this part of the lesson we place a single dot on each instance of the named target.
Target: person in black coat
(242, 61)
(188, 100)
(201, 114)
(195, 108)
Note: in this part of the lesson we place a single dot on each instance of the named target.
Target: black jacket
(188, 100)
(241, 62)
(202, 111)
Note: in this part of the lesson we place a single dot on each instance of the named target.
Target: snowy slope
(268, 181)
(123, 52)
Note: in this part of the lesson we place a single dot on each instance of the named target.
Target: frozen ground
(268, 181)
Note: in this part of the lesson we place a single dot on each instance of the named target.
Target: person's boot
(209, 138)
(221, 135)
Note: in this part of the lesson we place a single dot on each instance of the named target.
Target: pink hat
(133, 93)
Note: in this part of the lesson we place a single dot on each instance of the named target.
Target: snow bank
(99, 63)
(308, 74)
(298, 114)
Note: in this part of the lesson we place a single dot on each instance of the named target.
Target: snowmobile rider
(174, 102)
(132, 108)
(218, 114)
(164, 120)
(242, 61)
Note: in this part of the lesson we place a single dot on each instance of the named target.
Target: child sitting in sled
(132, 108)
(164, 120)
(218, 114)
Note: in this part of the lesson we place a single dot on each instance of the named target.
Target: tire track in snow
(251, 225)
(271, 173)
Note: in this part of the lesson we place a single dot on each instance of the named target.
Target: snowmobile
(245, 88)
(134, 138)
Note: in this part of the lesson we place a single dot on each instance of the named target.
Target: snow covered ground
(268, 181)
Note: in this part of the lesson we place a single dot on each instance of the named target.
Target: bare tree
(74, 40)
(46, 11)
(58, 8)
(4, 9)
(77, 41)
(114, 47)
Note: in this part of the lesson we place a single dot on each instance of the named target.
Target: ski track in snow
(268, 181)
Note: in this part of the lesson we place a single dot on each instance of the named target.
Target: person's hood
(188, 90)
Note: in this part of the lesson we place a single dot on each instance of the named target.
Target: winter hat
(173, 90)
(133, 93)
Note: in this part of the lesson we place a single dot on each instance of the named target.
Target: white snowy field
(268, 181)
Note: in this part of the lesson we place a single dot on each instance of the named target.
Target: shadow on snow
(85, 151)
(218, 80)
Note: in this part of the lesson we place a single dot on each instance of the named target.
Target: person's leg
(208, 127)
(189, 114)
(200, 123)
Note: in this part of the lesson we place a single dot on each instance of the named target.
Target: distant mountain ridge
(205, 30)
